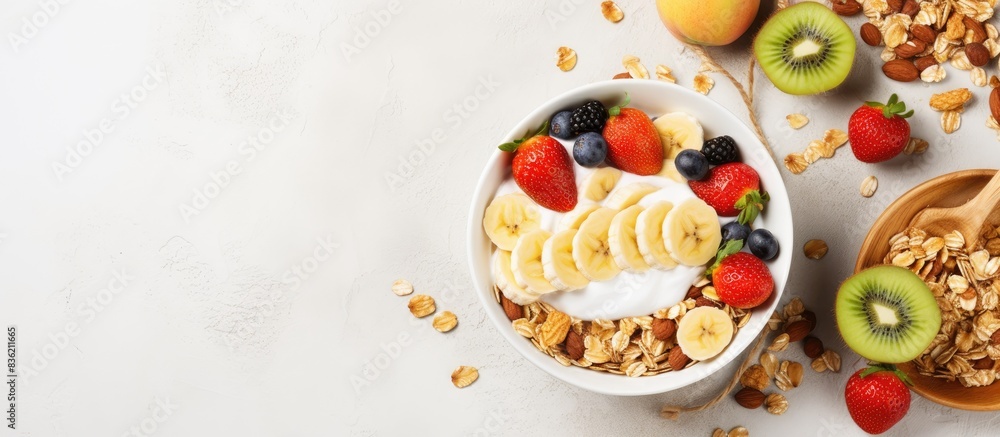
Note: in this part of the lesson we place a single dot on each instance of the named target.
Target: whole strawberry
(543, 169)
(732, 189)
(878, 132)
(633, 142)
(741, 280)
(877, 397)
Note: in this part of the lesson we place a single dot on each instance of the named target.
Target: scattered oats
(979, 76)
(665, 74)
(868, 186)
(612, 12)
(950, 100)
(524, 327)
(445, 321)
(961, 61)
(565, 58)
(634, 67)
(463, 376)
(709, 292)
(831, 359)
(719, 432)
(703, 84)
(815, 249)
(779, 343)
(776, 403)
(796, 121)
(951, 121)
(739, 431)
(915, 146)
(819, 365)
(422, 305)
(796, 163)
(402, 287)
(835, 137)
(933, 74)
(770, 363)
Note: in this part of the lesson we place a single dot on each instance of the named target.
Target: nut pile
(634, 346)
(921, 35)
(795, 323)
(966, 287)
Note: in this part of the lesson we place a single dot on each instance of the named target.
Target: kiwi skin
(801, 76)
(893, 288)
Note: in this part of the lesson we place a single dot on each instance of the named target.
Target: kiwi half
(805, 49)
(887, 314)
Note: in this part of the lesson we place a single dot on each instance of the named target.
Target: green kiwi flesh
(887, 314)
(805, 49)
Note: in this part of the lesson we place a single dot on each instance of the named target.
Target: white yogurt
(628, 294)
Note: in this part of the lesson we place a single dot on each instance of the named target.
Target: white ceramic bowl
(654, 98)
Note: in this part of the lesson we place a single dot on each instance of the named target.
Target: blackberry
(588, 118)
(720, 150)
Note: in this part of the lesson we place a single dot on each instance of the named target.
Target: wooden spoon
(967, 219)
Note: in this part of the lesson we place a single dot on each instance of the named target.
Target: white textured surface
(212, 319)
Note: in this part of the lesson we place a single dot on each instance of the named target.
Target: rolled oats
(634, 67)
(796, 121)
(665, 74)
(776, 404)
(703, 84)
(565, 58)
(796, 163)
(463, 376)
(402, 287)
(868, 186)
(421, 305)
(611, 11)
(444, 322)
(951, 121)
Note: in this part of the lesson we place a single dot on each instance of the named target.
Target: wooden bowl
(948, 190)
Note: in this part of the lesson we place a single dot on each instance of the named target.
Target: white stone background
(210, 320)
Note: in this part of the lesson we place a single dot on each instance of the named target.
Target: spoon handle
(980, 207)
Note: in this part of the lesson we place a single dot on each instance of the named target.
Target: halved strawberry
(544, 170)
(732, 189)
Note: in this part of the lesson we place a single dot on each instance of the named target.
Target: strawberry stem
(750, 206)
(874, 367)
(730, 248)
(513, 145)
(892, 108)
(615, 110)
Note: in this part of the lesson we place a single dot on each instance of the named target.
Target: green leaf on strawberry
(617, 110)
(513, 145)
(729, 248)
(892, 107)
(750, 206)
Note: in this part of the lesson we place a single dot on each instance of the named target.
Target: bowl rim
(591, 380)
(870, 244)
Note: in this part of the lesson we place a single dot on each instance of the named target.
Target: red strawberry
(877, 397)
(544, 170)
(633, 142)
(741, 279)
(878, 132)
(732, 189)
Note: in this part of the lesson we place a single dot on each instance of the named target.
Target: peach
(707, 22)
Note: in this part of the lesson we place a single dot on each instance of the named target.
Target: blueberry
(733, 231)
(590, 149)
(762, 244)
(691, 164)
(559, 126)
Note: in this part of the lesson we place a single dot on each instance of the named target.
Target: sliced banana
(574, 218)
(679, 131)
(704, 332)
(597, 186)
(506, 282)
(526, 262)
(508, 217)
(629, 195)
(649, 235)
(621, 238)
(670, 171)
(691, 232)
(558, 264)
(591, 249)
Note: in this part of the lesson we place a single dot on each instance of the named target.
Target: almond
(511, 309)
(574, 345)
(810, 317)
(901, 70)
(750, 398)
(981, 364)
(677, 359)
(977, 53)
(813, 347)
(703, 301)
(925, 62)
(624, 75)
(849, 7)
(923, 33)
(895, 5)
(797, 330)
(663, 329)
(995, 111)
(910, 49)
(995, 338)
(870, 34)
(978, 32)
(911, 8)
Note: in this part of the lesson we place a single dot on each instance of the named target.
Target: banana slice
(629, 195)
(649, 236)
(591, 250)
(508, 217)
(704, 332)
(597, 186)
(679, 131)
(691, 232)
(621, 238)
(558, 264)
(526, 262)
(506, 282)
(574, 218)
(670, 171)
